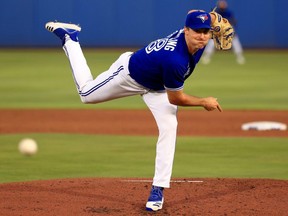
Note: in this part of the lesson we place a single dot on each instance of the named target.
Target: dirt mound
(128, 197)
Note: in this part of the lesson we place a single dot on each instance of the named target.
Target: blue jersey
(164, 63)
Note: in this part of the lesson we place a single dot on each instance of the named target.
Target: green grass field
(41, 78)
(69, 156)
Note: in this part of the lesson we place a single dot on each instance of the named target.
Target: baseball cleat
(156, 199)
(64, 30)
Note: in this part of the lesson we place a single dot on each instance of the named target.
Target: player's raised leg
(111, 84)
(68, 33)
(63, 30)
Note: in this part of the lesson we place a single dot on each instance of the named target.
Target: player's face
(196, 39)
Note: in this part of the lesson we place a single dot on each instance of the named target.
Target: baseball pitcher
(157, 73)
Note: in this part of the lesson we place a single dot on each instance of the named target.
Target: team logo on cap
(203, 17)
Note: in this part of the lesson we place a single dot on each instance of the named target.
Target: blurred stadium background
(112, 23)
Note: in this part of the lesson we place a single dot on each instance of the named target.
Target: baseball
(28, 147)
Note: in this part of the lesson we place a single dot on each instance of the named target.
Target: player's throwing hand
(211, 103)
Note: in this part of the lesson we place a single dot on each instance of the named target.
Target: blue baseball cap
(198, 20)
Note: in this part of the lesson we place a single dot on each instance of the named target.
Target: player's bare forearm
(179, 98)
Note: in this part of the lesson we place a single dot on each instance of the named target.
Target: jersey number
(168, 44)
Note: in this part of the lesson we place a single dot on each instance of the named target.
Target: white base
(264, 126)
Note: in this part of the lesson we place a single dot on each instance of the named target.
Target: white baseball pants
(116, 83)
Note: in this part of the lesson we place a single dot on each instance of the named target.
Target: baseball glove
(222, 32)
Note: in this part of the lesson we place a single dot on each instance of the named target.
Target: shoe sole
(52, 26)
(154, 206)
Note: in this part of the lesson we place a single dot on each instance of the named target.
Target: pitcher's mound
(99, 196)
